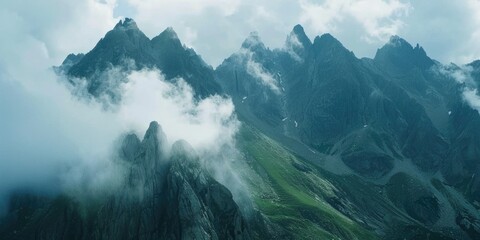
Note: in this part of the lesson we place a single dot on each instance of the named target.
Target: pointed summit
(253, 42)
(176, 60)
(298, 36)
(154, 143)
(327, 40)
(328, 47)
(128, 48)
(153, 130)
(297, 43)
(400, 54)
(123, 42)
(170, 33)
(127, 24)
(397, 41)
(168, 38)
(298, 29)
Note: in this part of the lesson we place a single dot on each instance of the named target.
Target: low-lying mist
(54, 141)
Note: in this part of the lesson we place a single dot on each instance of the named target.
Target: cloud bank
(51, 140)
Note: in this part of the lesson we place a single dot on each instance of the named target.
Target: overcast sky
(448, 30)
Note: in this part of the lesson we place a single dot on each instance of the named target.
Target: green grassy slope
(300, 203)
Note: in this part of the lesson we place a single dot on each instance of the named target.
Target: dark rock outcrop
(163, 197)
(126, 48)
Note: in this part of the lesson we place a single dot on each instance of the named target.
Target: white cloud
(43, 129)
(472, 98)
(209, 125)
(51, 140)
(291, 44)
(256, 70)
(184, 7)
(215, 28)
(154, 16)
(205, 124)
(379, 18)
(470, 50)
(61, 26)
(463, 75)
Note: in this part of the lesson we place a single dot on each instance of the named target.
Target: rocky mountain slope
(162, 197)
(399, 113)
(127, 48)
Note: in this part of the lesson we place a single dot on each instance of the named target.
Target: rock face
(395, 114)
(127, 48)
(411, 195)
(163, 197)
(203, 207)
(368, 111)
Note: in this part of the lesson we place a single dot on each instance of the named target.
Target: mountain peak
(154, 131)
(127, 24)
(170, 33)
(154, 143)
(327, 41)
(253, 41)
(298, 29)
(401, 53)
(327, 37)
(298, 38)
(397, 41)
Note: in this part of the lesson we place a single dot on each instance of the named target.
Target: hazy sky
(448, 30)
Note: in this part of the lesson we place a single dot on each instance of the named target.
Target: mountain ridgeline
(126, 45)
(331, 147)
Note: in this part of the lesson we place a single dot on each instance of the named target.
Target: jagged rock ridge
(163, 197)
(378, 116)
(127, 48)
